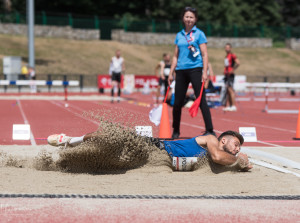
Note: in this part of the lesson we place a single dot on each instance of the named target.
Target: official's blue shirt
(185, 56)
(184, 148)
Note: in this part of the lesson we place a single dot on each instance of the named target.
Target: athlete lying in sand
(223, 150)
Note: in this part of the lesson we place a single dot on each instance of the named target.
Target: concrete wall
(51, 31)
(293, 44)
(132, 37)
(168, 39)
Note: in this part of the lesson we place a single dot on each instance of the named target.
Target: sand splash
(115, 147)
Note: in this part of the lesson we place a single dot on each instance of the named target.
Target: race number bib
(166, 71)
(226, 62)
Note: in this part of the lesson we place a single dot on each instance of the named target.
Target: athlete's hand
(170, 79)
(163, 77)
(243, 162)
(204, 77)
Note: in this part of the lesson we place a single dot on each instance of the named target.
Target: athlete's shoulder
(200, 35)
(199, 31)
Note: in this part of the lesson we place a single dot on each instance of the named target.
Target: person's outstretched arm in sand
(223, 150)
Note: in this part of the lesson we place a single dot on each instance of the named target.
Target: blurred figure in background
(32, 76)
(117, 67)
(231, 63)
(162, 71)
(24, 73)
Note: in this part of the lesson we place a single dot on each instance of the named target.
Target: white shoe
(59, 140)
(233, 108)
(226, 109)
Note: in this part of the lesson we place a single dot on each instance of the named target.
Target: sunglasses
(190, 9)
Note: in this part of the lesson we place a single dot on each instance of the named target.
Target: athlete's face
(227, 48)
(167, 58)
(189, 19)
(118, 53)
(231, 145)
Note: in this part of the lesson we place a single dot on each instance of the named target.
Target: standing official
(190, 64)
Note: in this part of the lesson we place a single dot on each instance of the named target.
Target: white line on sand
(32, 140)
(273, 167)
(273, 157)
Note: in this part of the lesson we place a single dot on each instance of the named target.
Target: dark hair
(228, 45)
(165, 54)
(232, 133)
(189, 9)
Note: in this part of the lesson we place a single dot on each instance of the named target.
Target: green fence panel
(156, 26)
(82, 23)
(96, 22)
(295, 32)
(167, 27)
(106, 26)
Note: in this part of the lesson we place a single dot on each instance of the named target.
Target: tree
(239, 12)
(290, 11)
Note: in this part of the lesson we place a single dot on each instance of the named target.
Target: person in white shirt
(117, 67)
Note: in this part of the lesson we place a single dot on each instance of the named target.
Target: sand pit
(154, 177)
(117, 161)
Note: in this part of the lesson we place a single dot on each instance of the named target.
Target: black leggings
(183, 78)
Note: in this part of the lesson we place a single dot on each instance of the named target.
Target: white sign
(21, 132)
(249, 134)
(128, 86)
(144, 130)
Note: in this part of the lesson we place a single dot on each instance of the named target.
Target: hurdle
(20, 83)
(275, 86)
(39, 83)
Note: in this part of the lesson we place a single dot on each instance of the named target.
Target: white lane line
(32, 140)
(270, 144)
(75, 113)
(264, 126)
(282, 111)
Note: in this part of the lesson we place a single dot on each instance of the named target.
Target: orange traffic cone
(298, 127)
(164, 130)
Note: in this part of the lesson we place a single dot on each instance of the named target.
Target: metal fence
(156, 26)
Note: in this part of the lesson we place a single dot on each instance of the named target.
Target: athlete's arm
(162, 67)
(173, 65)
(220, 156)
(123, 66)
(156, 69)
(203, 49)
(211, 71)
(237, 63)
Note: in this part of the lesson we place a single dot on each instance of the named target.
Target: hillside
(61, 56)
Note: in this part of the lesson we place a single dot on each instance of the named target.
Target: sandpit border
(103, 196)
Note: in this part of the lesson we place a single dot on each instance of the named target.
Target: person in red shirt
(231, 63)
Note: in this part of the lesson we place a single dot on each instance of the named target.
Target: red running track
(51, 116)
(145, 210)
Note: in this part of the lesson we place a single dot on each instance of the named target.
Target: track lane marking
(32, 140)
(75, 113)
(264, 126)
(184, 123)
